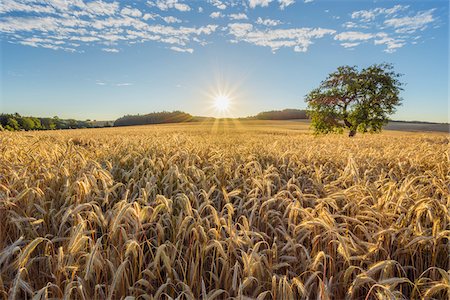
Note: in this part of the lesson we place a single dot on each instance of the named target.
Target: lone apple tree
(355, 100)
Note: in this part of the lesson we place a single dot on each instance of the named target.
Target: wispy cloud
(77, 24)
(133, 12)
(262, 3)
(299, 39)
(178, 49)
(268, 22)
(118, 84)
(240, 16)
(392, 44)
(349, 45)
(69, 25)
(370, 15)
(171, 19)
(392, 27)
(216, 14)
(218, 4)
(113, 50)
(353, 36)
(169, 4)
(411, 24)
(285, 3)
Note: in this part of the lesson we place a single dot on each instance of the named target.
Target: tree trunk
(350, 126)
(352, 133)
(347, 123)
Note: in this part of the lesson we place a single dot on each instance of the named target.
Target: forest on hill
(285, 114)
(154, 118)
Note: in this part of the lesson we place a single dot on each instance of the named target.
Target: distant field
(405, 126)
(224, 209)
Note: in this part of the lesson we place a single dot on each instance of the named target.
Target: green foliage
(36, 123)
(355, 100)
(48, 123)
(285, 114)
(154, 118)
(14, 122)
(26, 123)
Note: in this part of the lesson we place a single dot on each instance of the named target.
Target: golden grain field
(243, 210)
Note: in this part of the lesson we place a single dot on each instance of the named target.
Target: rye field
(229, 209)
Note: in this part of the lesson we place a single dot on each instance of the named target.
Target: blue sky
(103, 59)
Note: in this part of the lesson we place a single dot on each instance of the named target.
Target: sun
(222, 103)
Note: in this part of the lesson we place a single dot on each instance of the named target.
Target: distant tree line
(15, 122)
(285, 114)
(154, 118)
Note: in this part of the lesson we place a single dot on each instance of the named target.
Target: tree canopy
(355, 100)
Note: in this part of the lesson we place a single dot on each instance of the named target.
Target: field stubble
(204, 212)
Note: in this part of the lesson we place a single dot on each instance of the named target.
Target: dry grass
(220, 211)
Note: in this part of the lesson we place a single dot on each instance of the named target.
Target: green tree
(72, 123)
(48, 123)
(60, 124)
(355, 100)
(12, 124)
(36, 122)
(26, 123)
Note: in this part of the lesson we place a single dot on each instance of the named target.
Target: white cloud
(218, 4)
(12, 6)
(349, 45)
(350, 25)
(262, 3)
(353, 36)
(297, 38)
(268, 22)
(401, 24)
(85, 39)
(216, 15)
(170, 19)
(370, 15)
(82, 24)
(148, 17)
(178, 49)
(240, 16)
(413, 23)
(169, 4)
(113, 50)
(133, 12)
(71, 25)
(103, 83)
(99, 7)
(392, 44)
(365, 15)
(285, 3)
